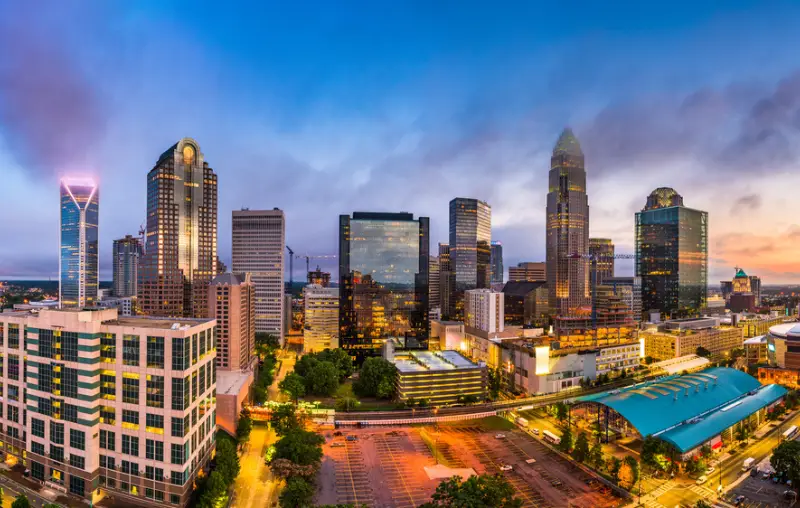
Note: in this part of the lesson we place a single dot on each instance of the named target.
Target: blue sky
(323, 108)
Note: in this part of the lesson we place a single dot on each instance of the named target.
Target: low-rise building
(441, 377)
(233, 390)
(321, 325)
(449, 334)
(755, 350)
(681, 337)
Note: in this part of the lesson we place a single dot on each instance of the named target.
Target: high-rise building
(221, 267)
(321, 328)
(755, 288)
(180, 257)
(528, 272)
(630, 290)
(123, 405)
(497, 262)
(445, 276)
(383, 281)
(80, 204)
(319, 277)
(470, 251)
(672, 254)
(259, 244)
(567, 228)
(602, 249)
(433, 283)
(484, 310)
(126, 266)
(231, 301)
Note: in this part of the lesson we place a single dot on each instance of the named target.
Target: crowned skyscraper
(80, 203)
(181, 245)
(567, 228)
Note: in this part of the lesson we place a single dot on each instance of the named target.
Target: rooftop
(231, 382)
(785, 330)
(426, 361)
(567, 143)
(157, 322)
(678, 365)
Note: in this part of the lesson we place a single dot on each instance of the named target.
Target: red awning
(716, 445)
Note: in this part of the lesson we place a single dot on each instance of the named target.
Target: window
(130, 388)
(37, 427)
(130, 445)
(57, 432)
(37, 448)
(180, 426)
(155, 391)
(178, 477)
(174, 499)
(45, 407)
(130, 419)
(77, 461)
(13, 393)
(108, 386)
(202, 381)
(130, 350)
(69, 346)
(57, 453)
(178, 454)
(154, 473)
(37, 470)
(180, 393)
(108, 415)
(107, 462)
(108, 348)
(13, 336)
(107, 440)
(194, 386)
(154, 423)
(155, 352)
(46, 343)
(13, 367)
(77, 439)
(194, 349)
(130, 468)
(154, 450)
(180, 353)
(70, 413)
(69, 382)
(13, 413)
(76, 485)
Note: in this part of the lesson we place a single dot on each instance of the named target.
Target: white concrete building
(321, 328)
(483, 310)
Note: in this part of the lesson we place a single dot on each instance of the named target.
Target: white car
(506, 468)
(702, 480)
(499, 436)
(535, 432)
(710, 470)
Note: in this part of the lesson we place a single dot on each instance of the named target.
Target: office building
(470, 250)
(445, 278)
(484, 310)
(321, 328)
(672, 255)
(526, 303)
(755, 288)
(433, 284)
(180, 257)
(80, 204)
(681, 337)
(221, 267)
(442, 377)
(125, 259)
(231, 300)
(259, 245)
(319, 277)
(496, 261)
(567, 226)
(602, 249)
(528, 272)
(726, 288)
(125, 306)
(630, 290)
(383, 281)
(97, 401)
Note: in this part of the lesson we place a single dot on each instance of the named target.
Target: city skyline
(415, 119)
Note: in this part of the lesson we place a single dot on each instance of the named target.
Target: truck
(522, 422)
(748, 463)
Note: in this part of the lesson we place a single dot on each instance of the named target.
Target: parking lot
(385, 467)
(759, 493)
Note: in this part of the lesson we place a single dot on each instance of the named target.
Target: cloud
(748, 202)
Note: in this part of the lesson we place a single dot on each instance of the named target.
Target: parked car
(702, 480)
(535, 432)
(499, 436)
(710, 470)
(506, 467)
(352, 438)
(337, 444)
(739, 500)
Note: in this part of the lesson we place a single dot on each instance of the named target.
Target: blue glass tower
(80, 203)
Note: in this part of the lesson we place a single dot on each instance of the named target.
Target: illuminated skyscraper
(445, 276)
(383, 281)
(80, 204)
(567, 228)
(125, 258)
(603, 250)
(470, 251)
(497, 261)
(181, 245)
(672, 254)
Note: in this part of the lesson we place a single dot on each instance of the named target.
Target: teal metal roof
(654, 407)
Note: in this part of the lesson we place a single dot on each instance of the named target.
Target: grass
(346, 390)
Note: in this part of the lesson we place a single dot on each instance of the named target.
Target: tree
(341, 359)
(628, 473)
(376, 379)
(613, 466)
(348, 404)
(705, 451)
(702, 504)
(581, 450)
(227, 461)
(300, 446)
(297, 493)
(213, 491)
(786, 460)
(322, 379)
(305, 364)
(648, 360)
(284, 418)
(476, 491)
(285, 468)
(21, 501)
(596, 456)
(495, 382)
(566, 441)
(293, 385)
(743, 432)
(244, 427)
(653, 450)
(701, 351)
(562, 412)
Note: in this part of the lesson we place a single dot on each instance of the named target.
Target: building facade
(445, 278)
(567, 226)
(470, 250)
(630, 290)
(321, 328)
(125, 257)
(139, 424)
(231, 301)
(319, 277)
(672, 255)
(442, 377)
(484, 310)
(602, 250)
(496, 260)
(78, 263)
(673, 340)
(180, 256)
(528, 272)
(526, 303)
(434, 281)
(259, 245)
(383, 281)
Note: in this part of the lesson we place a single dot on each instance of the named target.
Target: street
(255, 487)
(11, 489)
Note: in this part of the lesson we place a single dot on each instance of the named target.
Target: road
(286, 359)
(255, 487)
(12, 489)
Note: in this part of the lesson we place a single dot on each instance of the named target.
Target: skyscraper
(672, 254)
(383, 281)
(180, 257)
(445, 275)
(125, 257)
(259, 243)
(231, 301)
(321, 327)
(434, 300)
(602, 249)
(80, 204)
(496, 262)
(567, 228)
(470, 252)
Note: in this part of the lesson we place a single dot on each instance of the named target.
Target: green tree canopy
(21, 501)
(284, 418)
(298, 493)
(293, 385)
(596, 456)
(341, 359)
(786, 460)
(300, 446)
(347, 404)
(566, 441)
(244, 427)
(322, 379)
(483, 491)
(562, 411)
(701, 351)
(306, 362)
(581, 450)
(376, 379)
(213, 491)
(227, 460)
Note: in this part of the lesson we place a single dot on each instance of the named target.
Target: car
(536, 432)
(710, 470)
(506, 467)
(337, 444)
(702, 480)
(766, 475)
(556, 482)
(352, 438)
(499, 436)
(530, 461)
(739, 500)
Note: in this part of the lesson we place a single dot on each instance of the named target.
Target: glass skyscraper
(80, 204)
(383, 281)
(567, 229)
(497, 261)
(672, 255)
(470, 250)
(125, 257)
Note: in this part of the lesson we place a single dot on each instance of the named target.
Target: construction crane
(593, 260)
(291, 268)
(308, 259)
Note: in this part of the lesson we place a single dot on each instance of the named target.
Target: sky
(325, 108)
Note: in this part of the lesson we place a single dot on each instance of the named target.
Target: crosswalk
(662, 489)
(703, 491)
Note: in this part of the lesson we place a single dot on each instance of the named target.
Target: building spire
(568, 144)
